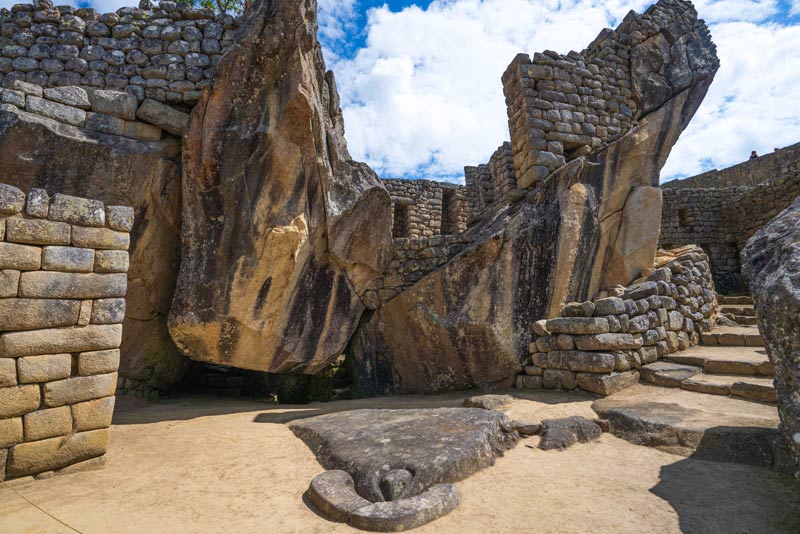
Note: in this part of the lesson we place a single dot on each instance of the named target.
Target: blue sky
(420, 80)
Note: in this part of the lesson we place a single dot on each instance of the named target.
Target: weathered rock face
(591, 224)
(771, 266)
(282, 232)
(36, 152)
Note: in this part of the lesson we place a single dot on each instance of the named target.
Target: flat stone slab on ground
(701, 426)
(726, 360)
(380, 448)
(563, 433)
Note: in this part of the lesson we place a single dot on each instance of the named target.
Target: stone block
(18, 400)
(31, 314)
(111, 261)
(120, 218)
(576, 360)
(94, 414)
(10, 432)
(44, 367)
(529, 382)
(578, 325)
(607, 384)
(58, 340)
(20, 257)
(45, 284)
(76, 210)
(28, 88)
(12, 97)
(85, 315)
(37, 232)
(54, 453)
(609, 306)
(607, 342)
(9, 282)
(8, 372)
(79, 389)
(98, 362)
(69, 96)
(55, 111)
(105, 124)
(108, 311)
(38, 203)
(142, 131)
(167, 117)
(12, 200)
(558, 379)
(48, 423)
(100, 238)
(115, 103)
(68, 259)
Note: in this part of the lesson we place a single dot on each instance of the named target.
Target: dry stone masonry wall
(423, 208)
(599, 345)
(749, 173)
(63, 264)
(167, 54)
(490, 184)
(721, 220)
(99, 110)
(564, 106)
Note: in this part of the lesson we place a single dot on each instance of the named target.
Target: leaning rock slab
(396, 454)
(282, 232)
(771, 266)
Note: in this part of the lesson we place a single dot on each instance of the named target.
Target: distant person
(753, 155)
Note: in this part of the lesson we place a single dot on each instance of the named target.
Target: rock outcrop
(36, 152)
(591, 224)
(282, 233)
(771, 266)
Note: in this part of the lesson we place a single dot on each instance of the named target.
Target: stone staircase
(730, 361)
(739, 309)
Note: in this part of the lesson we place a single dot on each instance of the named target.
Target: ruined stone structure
(577, 214)
(62, 300)
(167, 54)
(721, 210)
(422, 208)
(599, 346)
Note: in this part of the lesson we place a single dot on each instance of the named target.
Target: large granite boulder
(282, 233)
(592, 224)
(771, 266)
(36, 152)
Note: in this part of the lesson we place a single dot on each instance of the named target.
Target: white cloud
(795, 8)
(423, 98)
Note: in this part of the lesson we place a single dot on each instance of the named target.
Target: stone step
(733, 336)
(747, 388)
(739, 310)
(745, 320)
(705, 427)
(744, 361)
(740, 299)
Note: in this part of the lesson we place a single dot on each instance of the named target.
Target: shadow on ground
(694, 486)
(132, 410)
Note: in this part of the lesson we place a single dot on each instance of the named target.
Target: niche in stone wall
(399, 221)
(449, 210)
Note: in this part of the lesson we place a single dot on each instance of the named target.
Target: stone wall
(98, 110)
(414, 258)
(166, 53)
(490, 184)
(424, 208)
(722, 220)
(750, 173)
(62, 300)
(598, 346)
(564, 106)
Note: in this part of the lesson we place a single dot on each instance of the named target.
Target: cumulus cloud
(423, 97)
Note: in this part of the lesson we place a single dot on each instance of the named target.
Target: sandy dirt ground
(209, 465)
